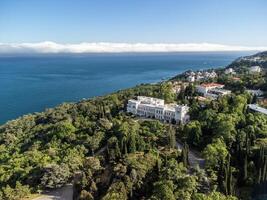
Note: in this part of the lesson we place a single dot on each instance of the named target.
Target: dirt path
(64, 193)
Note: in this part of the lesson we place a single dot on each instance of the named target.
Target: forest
(109, 154)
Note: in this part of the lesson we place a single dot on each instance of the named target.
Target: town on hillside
(205, 89)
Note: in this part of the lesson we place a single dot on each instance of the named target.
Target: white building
(191, 78)
(257, 108)
(212, 90)
(255, 69)
(208, 75)
(216, 92)
(205, 87)
(200, 75)
(255, 92)
(229, 71)
(155, 108)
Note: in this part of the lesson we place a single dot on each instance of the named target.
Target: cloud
(106, 47)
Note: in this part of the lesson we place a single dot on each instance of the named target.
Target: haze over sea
(32, 83)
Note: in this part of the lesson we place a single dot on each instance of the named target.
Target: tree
(190, 90)
(173, 170)
(113, 149)
(116, 191)
(225, 127)
(64, 130)
(20, 191)
(163, 190)
(228, 182)
(193, 133)
(166, 92)
(171, 137)
(215, 154)
(185, 155)
(55, 176)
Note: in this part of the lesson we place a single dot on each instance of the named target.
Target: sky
(54, 24)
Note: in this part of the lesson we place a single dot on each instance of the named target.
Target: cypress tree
(117, 150)
(185, 152)
(132, 144)
(171, 137)
(225, 181)
(228, 178)
(125, 149)
(264, 169)
(259, 177)
(158, 166)
(230, 184)
(246, 168)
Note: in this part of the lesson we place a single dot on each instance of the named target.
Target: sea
(32, 83)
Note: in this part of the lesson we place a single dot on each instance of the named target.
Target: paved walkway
(64, 193)
(193, 158)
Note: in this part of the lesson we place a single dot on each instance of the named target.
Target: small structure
(255, 69)
(156, 108)
(216, 92)
(212, 90)
(230, 71)
(257, 108)
(257, 93)
(208, 75)
(236, 79)
(191, 78)
(205, 87)
(200, 75)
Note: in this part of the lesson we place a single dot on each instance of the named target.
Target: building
(156, 108)
(236, 79)
(257, 93)
(205, 87)
(209, 75)
(216, 92)
(255, 69)
(229, 71)
(191, 78)
(257, 108)
(212, 90)
(176, 89)
(201, 75)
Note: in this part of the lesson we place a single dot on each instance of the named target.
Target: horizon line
(114, 47)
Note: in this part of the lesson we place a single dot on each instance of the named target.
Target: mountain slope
(247, 61)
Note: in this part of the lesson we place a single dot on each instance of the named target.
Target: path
(193, 158)
(63, 193)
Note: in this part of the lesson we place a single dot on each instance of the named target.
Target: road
(63, 193)
(193, 158)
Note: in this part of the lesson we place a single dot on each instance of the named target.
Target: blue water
(33, 83)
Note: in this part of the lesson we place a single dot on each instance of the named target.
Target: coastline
(35, 84)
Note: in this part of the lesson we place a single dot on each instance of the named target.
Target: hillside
(110, 154)
(259, 59)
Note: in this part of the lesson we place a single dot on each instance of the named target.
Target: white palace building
(155, 108)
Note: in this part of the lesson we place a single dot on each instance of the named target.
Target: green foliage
(166, 92)
(171, 137)
(112, 155)
(163, 190)
(193, 133)
(17, 193)
(215, 154)
(116, 191)
(55, 176)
